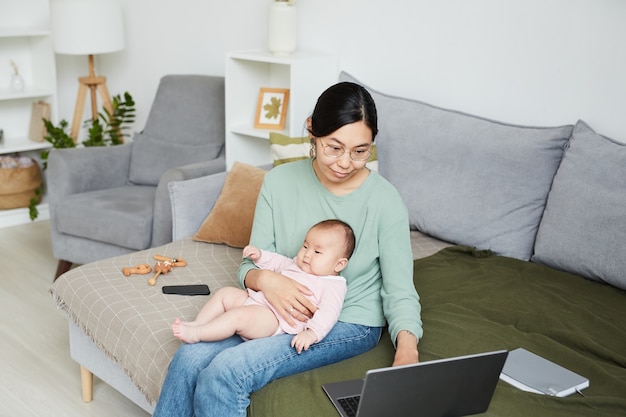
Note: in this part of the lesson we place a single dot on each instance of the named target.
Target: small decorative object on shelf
(271, 108)
(17, 82)
(281, 35)
(40, 111)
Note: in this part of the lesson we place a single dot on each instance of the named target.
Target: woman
(217, 378)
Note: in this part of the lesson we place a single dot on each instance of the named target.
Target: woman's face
(354, 138)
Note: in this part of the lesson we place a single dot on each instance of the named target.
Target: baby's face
(321, 252)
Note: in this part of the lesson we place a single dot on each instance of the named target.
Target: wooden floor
(37, 375)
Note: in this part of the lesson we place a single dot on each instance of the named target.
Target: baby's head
(327, 247)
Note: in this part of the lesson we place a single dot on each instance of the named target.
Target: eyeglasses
(334, 151)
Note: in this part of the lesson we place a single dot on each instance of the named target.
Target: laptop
(447, 387)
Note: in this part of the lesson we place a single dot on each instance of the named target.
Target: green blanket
(473, 304)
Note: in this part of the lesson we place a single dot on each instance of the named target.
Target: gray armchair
(107, 201)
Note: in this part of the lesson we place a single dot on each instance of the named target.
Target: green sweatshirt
(380, 271)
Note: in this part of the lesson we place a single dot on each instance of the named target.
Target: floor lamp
(87, 27)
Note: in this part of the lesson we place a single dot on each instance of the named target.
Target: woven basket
(18, 185)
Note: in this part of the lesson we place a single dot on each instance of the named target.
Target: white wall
(539, 62)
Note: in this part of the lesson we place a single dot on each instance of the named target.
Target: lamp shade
(86, 27)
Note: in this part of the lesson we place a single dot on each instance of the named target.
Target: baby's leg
(257, 321)
(251, 322)
(224, 299)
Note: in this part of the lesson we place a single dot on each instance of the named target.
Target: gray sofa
(518, 238)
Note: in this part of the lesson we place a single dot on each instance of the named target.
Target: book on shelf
(533, 373)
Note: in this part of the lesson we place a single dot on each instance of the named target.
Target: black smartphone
(195, 289)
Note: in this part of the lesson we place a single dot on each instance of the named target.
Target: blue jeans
(217, 378)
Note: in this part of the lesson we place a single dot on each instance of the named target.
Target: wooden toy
(164, 265)
(140, 269)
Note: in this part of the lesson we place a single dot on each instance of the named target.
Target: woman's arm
(400, 299)
(406, 349)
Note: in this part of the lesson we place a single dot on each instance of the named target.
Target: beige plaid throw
(130, 320)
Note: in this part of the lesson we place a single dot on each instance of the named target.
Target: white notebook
(530, 372)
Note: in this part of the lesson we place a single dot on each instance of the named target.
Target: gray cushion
(467, 179)
(583, 229)
(89, 215)
(197, 117)
(191, 202)
(151, 157)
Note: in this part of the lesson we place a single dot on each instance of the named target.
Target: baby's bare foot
(185, 331)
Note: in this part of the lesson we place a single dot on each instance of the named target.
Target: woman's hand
(406, 349)
(287, 296)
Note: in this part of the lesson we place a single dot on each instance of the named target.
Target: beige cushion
(230, 221)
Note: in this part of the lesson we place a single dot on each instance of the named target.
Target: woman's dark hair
(342, 104)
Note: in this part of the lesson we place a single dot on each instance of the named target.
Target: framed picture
(271, 109)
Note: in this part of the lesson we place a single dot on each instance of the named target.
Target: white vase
(281, 35)
(17, 83)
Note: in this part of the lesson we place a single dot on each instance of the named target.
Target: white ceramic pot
(281, 36)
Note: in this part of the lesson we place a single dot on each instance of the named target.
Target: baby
(324, 254)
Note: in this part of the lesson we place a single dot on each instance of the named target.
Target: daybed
(518, 235)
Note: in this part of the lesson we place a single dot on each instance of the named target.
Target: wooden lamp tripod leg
(94, 84)
(106, 99)
(78, 110)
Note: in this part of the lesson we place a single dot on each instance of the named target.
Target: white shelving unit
(25, 38)
(305, 74)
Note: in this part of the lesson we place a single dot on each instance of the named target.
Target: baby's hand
(252, 253)
(303, 340)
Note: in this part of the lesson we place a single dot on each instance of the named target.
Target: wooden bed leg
(86, 378)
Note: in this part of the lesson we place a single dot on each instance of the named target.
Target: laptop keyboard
(350, 404)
